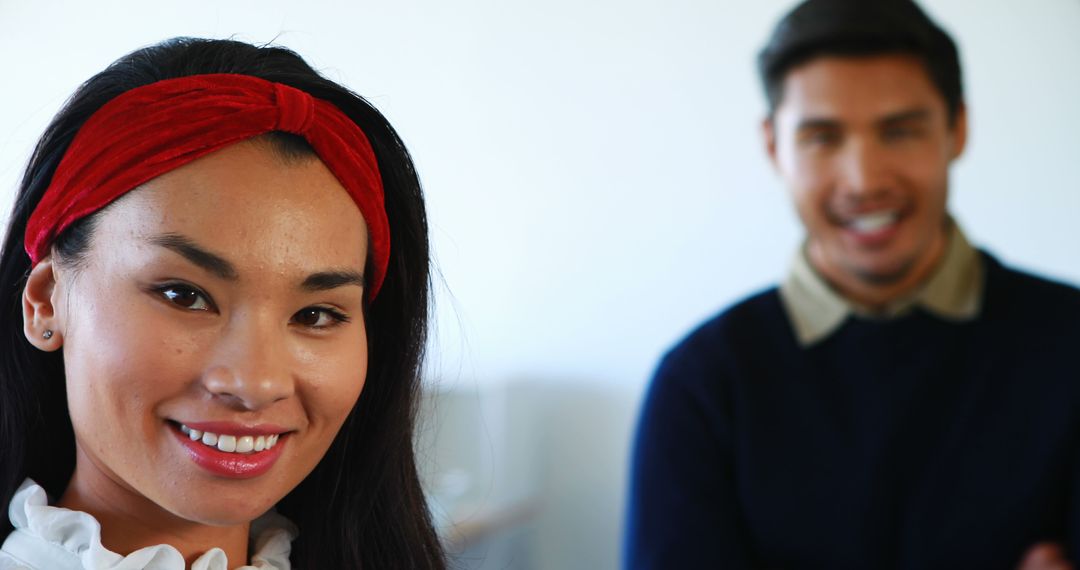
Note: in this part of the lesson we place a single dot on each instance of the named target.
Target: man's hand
(1045, 556)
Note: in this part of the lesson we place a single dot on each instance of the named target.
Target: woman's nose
(251, 368)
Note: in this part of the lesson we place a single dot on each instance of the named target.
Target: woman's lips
(233, 428)
(230, 464)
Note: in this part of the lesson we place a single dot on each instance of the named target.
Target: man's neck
(874, 295)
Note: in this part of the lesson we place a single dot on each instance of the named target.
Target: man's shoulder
(1012, 290)
(752, 310)
(749, 325)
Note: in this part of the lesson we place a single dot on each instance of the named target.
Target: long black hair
(362, 507)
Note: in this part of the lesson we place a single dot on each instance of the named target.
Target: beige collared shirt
(954, 292)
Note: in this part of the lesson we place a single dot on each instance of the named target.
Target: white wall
(594, 175)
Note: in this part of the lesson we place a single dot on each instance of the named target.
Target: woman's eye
(185, 297)
(319, 317)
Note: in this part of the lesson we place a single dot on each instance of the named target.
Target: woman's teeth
(873, 222)
(231, 443)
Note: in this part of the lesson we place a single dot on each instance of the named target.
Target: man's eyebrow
(325, 280)
(919, 114)
(817, 123)
(184, 246)
(905, 116)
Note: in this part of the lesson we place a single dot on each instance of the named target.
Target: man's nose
(251, 369)
(863, 169)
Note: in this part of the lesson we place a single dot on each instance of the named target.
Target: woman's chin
(223, 513)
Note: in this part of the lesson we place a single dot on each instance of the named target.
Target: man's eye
(900, 133)
(820, 138)
(185, 297)
(319, 317)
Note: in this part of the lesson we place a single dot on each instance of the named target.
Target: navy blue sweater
(915, 443)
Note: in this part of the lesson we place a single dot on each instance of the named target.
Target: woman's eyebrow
(184, 246)
(220, 267)
(325, 280)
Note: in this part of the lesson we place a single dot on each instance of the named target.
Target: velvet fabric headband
(150, 130)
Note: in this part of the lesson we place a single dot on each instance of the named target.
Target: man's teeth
(231, 443)
(873, 222)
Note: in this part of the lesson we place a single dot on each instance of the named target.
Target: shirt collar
(56, 538)
(953, 292)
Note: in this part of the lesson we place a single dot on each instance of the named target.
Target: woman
(236, 340)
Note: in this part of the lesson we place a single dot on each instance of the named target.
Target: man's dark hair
(860, 28)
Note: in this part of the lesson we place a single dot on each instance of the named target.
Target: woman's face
(222, 297)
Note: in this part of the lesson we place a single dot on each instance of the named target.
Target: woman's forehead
(248, 203)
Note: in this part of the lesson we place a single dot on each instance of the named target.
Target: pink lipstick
(230, 464)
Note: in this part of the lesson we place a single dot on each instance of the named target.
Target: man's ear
(959, 131)
(768, 136)
(40, 323)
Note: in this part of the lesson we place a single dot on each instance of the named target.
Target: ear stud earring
(47, 334)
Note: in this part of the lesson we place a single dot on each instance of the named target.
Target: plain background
(594, 172)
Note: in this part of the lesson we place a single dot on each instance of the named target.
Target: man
(901, 400)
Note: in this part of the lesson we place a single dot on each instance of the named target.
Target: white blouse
(53, 538)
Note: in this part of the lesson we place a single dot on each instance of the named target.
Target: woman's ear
(40, 324)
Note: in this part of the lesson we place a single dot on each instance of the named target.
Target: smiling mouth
(874, 221)
(229, 443)
(232, 455)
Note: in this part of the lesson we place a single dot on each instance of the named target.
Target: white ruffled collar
(58, 538)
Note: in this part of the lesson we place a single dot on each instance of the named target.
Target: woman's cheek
(332, 376)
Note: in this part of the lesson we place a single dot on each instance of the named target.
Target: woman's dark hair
(362, 506)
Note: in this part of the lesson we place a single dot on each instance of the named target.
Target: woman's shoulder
(55, 538)
(9, 562)
(41, 532)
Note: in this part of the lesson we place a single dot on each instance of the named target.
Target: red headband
(150, 130)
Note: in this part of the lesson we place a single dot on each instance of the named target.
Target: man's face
(864, 144)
